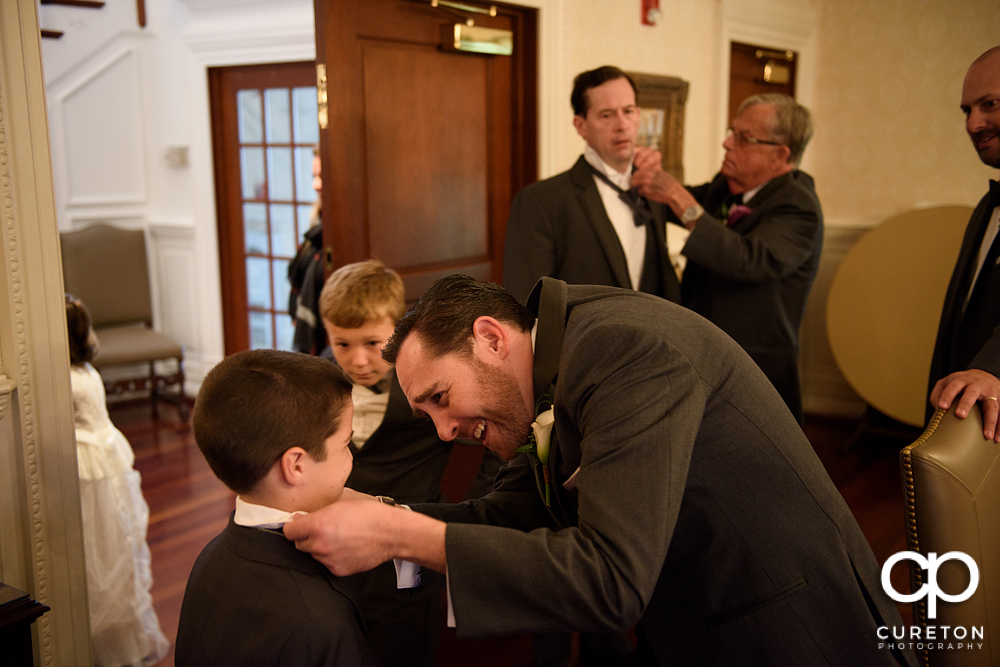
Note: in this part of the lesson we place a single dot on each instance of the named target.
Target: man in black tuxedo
(584, 225)
(667, 486)
(756, 235)
(966, 357)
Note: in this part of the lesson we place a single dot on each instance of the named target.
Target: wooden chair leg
(153, 390)
(182, 401)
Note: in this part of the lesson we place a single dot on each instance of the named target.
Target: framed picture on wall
(661, 121)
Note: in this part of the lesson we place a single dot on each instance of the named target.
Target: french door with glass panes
(264, 129)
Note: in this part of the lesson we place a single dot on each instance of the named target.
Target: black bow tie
(641, 214)
(994, 193)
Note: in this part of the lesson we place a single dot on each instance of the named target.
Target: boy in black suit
(395, 453)
(276, 428)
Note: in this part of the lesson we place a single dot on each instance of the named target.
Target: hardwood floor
(189, 506)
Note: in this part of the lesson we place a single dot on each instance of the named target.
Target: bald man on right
(966, 361)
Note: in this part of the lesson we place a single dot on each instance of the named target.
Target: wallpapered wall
(598, 32)
(890, 135)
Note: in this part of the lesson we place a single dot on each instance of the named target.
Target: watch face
(691, 213)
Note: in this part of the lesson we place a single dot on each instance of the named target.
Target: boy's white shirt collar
(250, 515)
(261, 516)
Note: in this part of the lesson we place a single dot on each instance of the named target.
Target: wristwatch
(386, 500)
(692, 213)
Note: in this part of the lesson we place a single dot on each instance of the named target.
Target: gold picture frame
(661, 123)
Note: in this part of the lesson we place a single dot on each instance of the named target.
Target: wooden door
(759, 69)
(264, 129)
(425, 148)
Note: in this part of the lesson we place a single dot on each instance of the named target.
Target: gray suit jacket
(752, 280)
(700, 509)
(559, 228)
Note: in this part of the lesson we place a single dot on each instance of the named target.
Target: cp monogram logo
(930, 589)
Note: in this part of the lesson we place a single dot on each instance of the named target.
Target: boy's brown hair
(256, 405)
(362, 292)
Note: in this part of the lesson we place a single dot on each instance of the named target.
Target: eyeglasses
(743, 139)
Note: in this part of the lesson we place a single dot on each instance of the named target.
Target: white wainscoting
(173, 274)
(824, 389)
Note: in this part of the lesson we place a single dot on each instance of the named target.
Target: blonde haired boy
(395, 453)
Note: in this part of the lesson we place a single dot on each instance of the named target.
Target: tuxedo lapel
(548, 300)
(768, 190)
(756, 203)
(593, 208)
(966, 267)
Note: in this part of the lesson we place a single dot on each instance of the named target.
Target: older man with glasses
(756, 235)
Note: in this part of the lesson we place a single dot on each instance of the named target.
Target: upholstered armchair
(951, 482)
(106, 267)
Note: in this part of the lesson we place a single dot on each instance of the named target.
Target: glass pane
(304, 225)
(285, 332)
(304, 108)
(258, 282)
(279, 173)
(282, 288)
(279, 122)
(303, 174)
(255, 228)
(283, 230)
(260, 331)
(252, 172)
(248, 116)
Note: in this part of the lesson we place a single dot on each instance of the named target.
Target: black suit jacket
(752, 280)
(982, 350)
(559, 228)
(254, 599)
(699, 510)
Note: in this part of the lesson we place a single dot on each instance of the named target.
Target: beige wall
(884, 90)
(890, 135)
(598, 32)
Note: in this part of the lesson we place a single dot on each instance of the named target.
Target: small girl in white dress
(124, 629)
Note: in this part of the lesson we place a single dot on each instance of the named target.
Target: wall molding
(213, 48)
(825, 391)
(38, 545)
(41, 540)
(122, 49)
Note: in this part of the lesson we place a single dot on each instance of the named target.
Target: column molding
(41, 539)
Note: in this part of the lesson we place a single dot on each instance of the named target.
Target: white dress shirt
(984, 249)
(369, 410)
(631, 236)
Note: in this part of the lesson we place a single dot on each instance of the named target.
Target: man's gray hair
(792, 125)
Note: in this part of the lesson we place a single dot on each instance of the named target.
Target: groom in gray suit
(587, 226)
(677, 494)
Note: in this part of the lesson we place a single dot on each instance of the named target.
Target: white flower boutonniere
(539, 445)
(542, 430)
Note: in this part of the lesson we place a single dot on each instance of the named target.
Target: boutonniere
(737, 213)
(539, 444)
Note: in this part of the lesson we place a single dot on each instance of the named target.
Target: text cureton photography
(931, 637)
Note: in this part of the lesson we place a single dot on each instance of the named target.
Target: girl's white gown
(124, 629)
